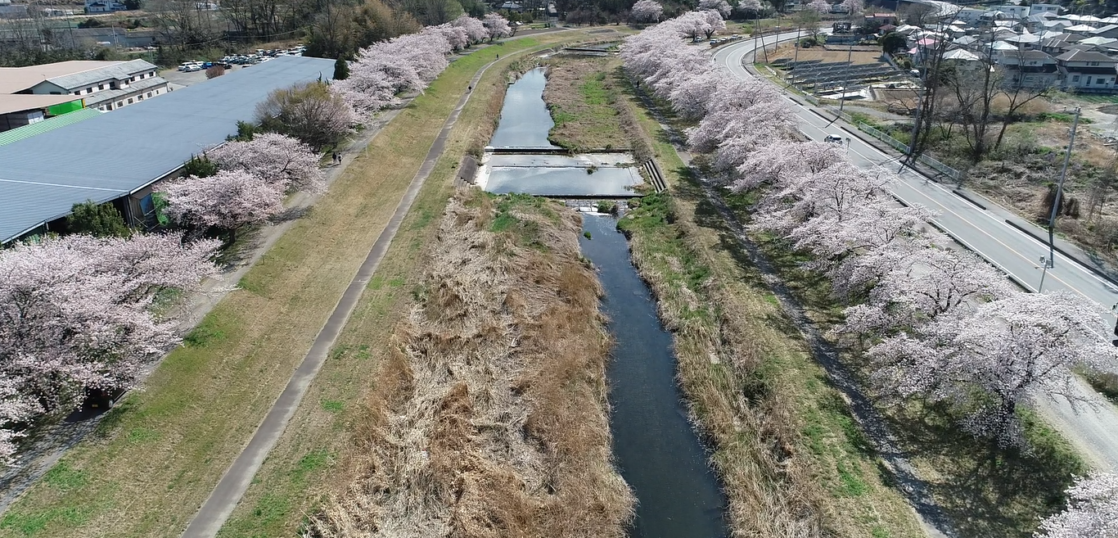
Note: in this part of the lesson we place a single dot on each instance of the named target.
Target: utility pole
(1059, 193)
(849, 64)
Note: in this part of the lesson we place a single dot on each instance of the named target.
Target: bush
(309, 112)
(199, 167)
(98, 220)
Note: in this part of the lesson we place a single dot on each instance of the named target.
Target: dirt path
(933, 520)
(228, 492)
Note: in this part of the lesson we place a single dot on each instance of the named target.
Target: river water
(656, 449)
(525, 120)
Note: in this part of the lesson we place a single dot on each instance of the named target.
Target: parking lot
(181, 79)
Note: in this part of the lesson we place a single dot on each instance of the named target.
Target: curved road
(1092, 429)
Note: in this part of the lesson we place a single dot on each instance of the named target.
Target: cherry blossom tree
(227, 200)
(455, 35)
(919, 288)
(75, 314)
(715, 22)
(476, 31)
(718, 6)
(993, 359)
(750, 7)
(313, 112)
(819, 6)
(774, 162)
(281, 161)
(646, 11)
(497, 26)
(854, 7)
(402, 64)
(1092, 510)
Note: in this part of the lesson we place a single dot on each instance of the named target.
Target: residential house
(1012, 11)
(1029, 69)
(1060, 44)
(1110, 31)
(1042, 9)
(103, 6)
(1087, 71)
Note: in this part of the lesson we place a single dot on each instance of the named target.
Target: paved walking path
(228, 492)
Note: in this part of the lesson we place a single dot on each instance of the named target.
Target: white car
(834, 139)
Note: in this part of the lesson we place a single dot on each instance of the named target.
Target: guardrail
(903, 148)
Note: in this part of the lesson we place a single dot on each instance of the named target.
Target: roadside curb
(1089, 266)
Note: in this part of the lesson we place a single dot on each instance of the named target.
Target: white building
(103, 85)
(1040, 9)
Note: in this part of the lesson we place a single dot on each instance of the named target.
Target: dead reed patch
(490, 417)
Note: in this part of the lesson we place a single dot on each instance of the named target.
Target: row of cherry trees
(76, 313)
(250, 184)
(410, 62)
(939, 325)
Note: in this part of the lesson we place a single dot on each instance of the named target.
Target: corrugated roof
(118, 71)
(50, 124)
(14, 79)
(20, 101)
(108, 95)
(114, 154)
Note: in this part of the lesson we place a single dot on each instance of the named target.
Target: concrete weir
(596, 175)
(522, 160)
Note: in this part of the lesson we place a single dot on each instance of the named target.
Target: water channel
(521, 159)
(657, 451)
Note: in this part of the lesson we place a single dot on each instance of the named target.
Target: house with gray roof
(119, 157)
(105, 86)
(1087, 71)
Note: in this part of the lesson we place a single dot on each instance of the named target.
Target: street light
(1046, 264)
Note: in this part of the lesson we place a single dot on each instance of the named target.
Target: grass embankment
(583, 99)
(313, 459)
(489, 417)
(986, 491)
(157, 456)
(792, 460)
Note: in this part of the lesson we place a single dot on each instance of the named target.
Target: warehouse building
(118, 157)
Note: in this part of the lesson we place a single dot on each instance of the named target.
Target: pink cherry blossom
(281, 161)
(475, 29)
(718, 6)
(1092, 510)
(228, 200)
(646, 11)
(496, 25)
(76, 313)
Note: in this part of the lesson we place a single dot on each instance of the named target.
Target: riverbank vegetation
(914, 340)
(207, 397)
(792, 460)
(489, 417)
(586, 104)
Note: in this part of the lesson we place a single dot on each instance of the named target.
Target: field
(580, 95)
(836, 53)
(155, 458)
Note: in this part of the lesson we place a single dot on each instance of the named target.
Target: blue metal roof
(112, 155)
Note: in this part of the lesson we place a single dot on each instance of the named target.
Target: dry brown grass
(857, 57)
(490, 417)
(792, 460)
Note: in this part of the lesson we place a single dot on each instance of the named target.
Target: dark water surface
(525, 119)
(658, 453)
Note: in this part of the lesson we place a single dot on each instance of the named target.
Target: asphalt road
(1094, 430)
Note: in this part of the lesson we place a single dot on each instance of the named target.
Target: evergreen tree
(341, 69)
(98, 220)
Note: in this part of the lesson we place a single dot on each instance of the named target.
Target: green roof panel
(27, 131)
